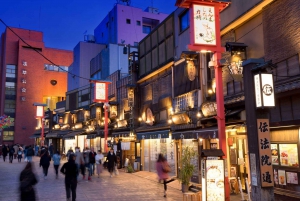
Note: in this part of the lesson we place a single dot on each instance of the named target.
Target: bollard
(241, 190)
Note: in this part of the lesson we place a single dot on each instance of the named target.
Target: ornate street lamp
(40, 115)
(101, 96)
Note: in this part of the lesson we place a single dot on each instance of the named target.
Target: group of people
(77, 162)
(16, 152)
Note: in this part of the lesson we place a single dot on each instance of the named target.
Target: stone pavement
(138, 186)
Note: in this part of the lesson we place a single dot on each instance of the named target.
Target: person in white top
(99, 162)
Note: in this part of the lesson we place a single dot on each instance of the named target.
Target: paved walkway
(138, 186)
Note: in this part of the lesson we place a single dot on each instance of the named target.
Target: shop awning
(61, 134)
(37, 133)
(153, 135)
(52, 135)
(71, 135)
(205, 133)
(91, 136)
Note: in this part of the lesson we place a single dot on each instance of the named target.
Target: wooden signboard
(265, 156)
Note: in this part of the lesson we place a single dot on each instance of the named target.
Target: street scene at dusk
(192, 100)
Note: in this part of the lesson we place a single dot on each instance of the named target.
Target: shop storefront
(197, 139)
(285, 160)
(154, 143)
(237, 156)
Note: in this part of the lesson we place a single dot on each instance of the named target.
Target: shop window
(8, 135)
(285, 155)
(184, 20)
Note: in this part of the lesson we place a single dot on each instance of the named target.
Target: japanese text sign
(100, 92)
(265, 157)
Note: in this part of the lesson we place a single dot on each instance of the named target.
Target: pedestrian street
(123, 187)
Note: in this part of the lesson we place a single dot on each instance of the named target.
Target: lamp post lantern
(205, 37)
(101, 96)
(40, 115)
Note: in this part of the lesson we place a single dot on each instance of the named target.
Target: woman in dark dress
(45, 162)
(111, 160)
(27, 180)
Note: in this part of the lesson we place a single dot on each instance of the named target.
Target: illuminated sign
(39, 111)
(100, 91)
(204, 25)
(264, 90)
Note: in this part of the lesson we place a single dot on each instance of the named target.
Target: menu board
(215, 180)
(281, 176)
(291, 177)
(288, 155)
(274, 150)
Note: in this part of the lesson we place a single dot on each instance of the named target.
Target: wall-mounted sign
(264, 90)
(182, 118)
(130, 97)
(24, 72)
(209, 109)
(204, 25)
(235, 65)
(122, 123)
(265, 156)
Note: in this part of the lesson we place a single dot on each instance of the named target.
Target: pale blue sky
(64, 22)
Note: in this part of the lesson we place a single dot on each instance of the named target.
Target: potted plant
(186, 167)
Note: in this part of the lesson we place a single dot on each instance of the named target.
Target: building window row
(51, 67)
(11, 71)
(184, 20)
(8, 135)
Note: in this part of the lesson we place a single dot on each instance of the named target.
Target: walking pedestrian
(27, 181)
(45, 163)
(69, 169)
(29, 153)
(5, 151)
(20, 155)
(92, 156)
(11, 153)
(79, 161)
(16, 148)
(162, 168)
(111, 160)
(51, 151)
(99, 157)
(86, 159)
(56, 162)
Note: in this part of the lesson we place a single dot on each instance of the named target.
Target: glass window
(184, 20)
(10, 88)
(146, 29)
(138, 23)
(10, 106)
(11, 71)
(8, 135)
(285, 155)
(128, 21)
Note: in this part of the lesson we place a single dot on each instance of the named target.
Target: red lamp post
(40, 115)
(101, 96)
(205, 37)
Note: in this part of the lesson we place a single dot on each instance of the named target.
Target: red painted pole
(106, 118)
(42, 132)
(221, 117)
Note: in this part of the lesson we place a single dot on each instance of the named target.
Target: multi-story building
(27, 78)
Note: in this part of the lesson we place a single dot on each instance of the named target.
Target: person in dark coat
(111, 160)
(27, 180)
(51, 150)
(70, 170)
(5, 150)
(92, 160)
(45, 162)
(11, 153)
(29, 153)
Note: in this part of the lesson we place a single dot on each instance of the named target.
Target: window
(10, 88)
(138, 23)
(128, 21)
(10, 106)
(135, 44)
(146, 29)
(285, 155)
(184, 20)
(107, 23)
(51, 67)
(8, 135)
(11, 71)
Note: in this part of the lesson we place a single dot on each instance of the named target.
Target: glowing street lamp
(40, 115)
(101, 96)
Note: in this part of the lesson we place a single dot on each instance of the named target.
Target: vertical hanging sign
(265, 157)
(100, 92)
